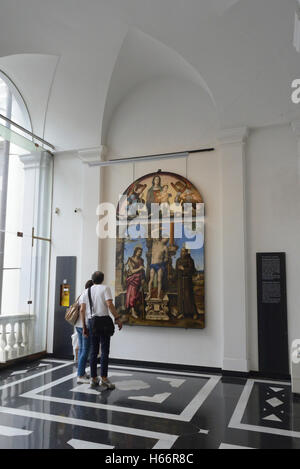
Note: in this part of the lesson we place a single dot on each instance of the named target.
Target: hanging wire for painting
(186, 165)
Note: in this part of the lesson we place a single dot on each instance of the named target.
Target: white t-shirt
(99, 294)
(80, 301)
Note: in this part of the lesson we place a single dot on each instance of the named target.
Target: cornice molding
(30, 161)
(91, 155)
(35, 160)
(238, 135)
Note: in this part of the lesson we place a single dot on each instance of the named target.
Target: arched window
(25, 214)
(12, 105)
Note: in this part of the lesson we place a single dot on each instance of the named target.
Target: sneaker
(107, 384)
(83, 379)
(94, 383)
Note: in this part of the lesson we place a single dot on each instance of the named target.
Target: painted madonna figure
(154, 193)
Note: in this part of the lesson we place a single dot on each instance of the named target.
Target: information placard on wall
(272, 313)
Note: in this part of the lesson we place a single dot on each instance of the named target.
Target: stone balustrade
(16, 334)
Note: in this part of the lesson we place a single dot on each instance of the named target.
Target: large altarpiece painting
(160, 257)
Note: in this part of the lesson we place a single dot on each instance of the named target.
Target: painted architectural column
(235, 321)
(91, 193)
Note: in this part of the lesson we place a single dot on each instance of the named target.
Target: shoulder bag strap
(90, 301)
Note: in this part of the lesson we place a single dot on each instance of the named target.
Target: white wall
(69, 233)
(272, 224)
(273, 217)
(73, 234)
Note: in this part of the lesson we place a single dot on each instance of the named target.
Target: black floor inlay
(42, 406)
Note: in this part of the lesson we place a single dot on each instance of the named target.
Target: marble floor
(42, 406)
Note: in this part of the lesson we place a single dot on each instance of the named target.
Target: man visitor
(102, 304)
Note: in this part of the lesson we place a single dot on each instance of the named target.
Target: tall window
(11, 186)
(25, 211)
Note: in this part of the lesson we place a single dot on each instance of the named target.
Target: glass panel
(16, 274)
(17, 180)
(17, 139)
(20, 196)
(25, 209)
(27, 188)
(12, 104)
(26, 191)
(39, 292)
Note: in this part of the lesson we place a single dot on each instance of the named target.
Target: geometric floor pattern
(42, 406)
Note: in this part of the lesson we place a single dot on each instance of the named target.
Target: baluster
(3, 345)
(24, 337)
(11, 341)
(18, 345)
(7, 334)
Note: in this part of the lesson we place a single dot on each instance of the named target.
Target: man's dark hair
(89, 284)
(98, 278)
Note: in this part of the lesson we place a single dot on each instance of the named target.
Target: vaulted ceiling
(75, 61)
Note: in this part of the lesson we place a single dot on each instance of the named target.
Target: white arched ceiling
(87, 40)
(78, 95)
(221, 6)
(141, 60)
(162, 115)
(33, 75)
(245, 53)
(243, 50)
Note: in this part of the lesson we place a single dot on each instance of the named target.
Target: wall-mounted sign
(272, 313)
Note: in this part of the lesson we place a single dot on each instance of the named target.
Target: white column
(31, 164)
(296, 129)
(235, 346)
(34, 264)
(90, 245)
(40, 253)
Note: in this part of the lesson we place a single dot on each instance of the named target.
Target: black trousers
(96, 341)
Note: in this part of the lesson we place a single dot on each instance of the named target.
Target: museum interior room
(158, 142)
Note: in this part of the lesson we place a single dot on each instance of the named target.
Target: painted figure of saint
(134, 199)
(185, 269)
(159, 265)
(135, 277)
(184, 194)
(154, 192)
